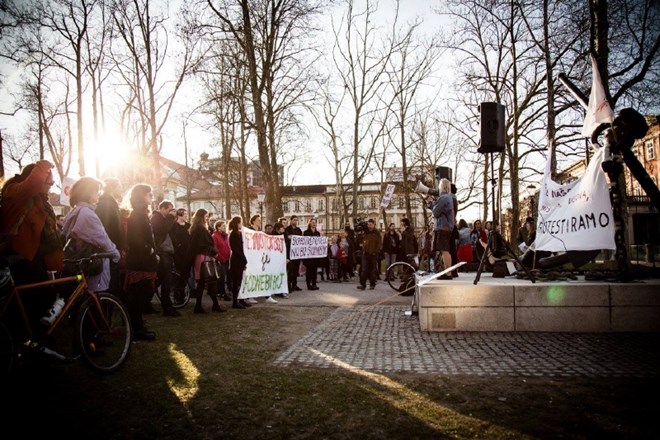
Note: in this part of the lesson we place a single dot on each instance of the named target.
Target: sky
(110, 148)
(310, 170)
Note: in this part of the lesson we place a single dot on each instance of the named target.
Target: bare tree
(498, 63)
(145, 38)
(360, 64)
(409, 68)
(68, 20)
(267, 33)
(628, 53)
(98, 69)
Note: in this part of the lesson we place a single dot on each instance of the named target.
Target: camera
(360, 225)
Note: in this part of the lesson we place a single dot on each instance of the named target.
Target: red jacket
(24, 205)
(221, 241)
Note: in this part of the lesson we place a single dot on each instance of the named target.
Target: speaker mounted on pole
(444, 173)
(491, 128)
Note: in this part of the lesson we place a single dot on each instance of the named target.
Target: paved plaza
(370, 331)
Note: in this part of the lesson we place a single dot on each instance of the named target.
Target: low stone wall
(498, 304)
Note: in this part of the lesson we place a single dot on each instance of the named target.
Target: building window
(335, 205)
(401, 202)
(373, 202)
(321, 207)
(361, 203)
(308, 206)
(285, 206)
(297, 204)
(650, 150)
(637, 151)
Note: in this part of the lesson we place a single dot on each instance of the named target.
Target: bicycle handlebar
(96, 256)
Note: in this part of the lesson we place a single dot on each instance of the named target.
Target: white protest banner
(308, 247)
(599, 110)
(389, 191)
(578, 215)
(266, 264)
(67, 183)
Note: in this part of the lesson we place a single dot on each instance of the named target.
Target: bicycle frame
(15, 296)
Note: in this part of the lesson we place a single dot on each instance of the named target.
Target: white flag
(389, 191)
(599, 110)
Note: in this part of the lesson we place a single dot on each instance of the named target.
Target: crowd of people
(149, 247)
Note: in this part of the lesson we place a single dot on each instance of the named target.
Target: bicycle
(179, 292)
(102, 331)
(401, 275)
(412, 278)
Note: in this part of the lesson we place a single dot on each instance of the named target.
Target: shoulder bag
(211, 270)
(75, 249)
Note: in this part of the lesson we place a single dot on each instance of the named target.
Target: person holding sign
(293, 266)
(312, 264)
(237, 261)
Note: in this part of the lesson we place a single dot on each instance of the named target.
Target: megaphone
(423, 189)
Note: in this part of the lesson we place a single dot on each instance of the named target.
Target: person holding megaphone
(443, 213)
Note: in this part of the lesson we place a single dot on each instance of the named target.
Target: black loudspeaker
(443, 173)
(491, 128)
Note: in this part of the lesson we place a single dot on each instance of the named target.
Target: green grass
(212, 376)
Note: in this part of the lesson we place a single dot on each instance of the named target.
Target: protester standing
(237, 261)
(202, 249)
(443, 212)
(141, 259)
(107, 209)
(293, 267)
(311, 264)
(370, 244)
(221, 240)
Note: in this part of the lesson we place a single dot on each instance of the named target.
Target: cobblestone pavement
(380, 338)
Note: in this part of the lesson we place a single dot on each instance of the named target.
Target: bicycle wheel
(403, 269)
(180, 295)
(104, 340)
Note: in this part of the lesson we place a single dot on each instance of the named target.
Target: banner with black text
(577, 215)
(266, 264)
(303, 247)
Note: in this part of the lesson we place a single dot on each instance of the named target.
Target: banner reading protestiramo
(265, 273)
(578, 215)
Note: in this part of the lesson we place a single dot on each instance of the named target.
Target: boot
(199, 292)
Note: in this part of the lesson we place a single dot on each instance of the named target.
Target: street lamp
(532, 190)
(260, 198)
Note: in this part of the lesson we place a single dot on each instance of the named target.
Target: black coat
(237, 261)
(107, 209)
(141, 254)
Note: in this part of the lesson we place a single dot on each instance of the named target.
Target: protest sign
(265, 273)
(387, 196)
(577, 215)
(303, 247)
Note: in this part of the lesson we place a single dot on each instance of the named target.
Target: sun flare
(111, 150)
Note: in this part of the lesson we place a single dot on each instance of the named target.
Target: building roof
(187, 175)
